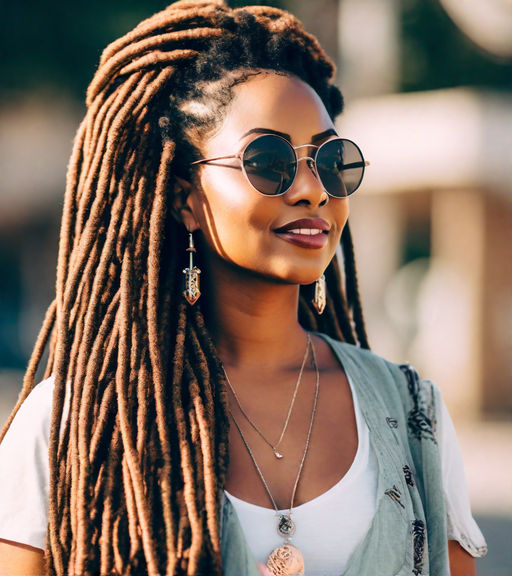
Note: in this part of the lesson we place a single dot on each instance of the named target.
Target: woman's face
(248, 230)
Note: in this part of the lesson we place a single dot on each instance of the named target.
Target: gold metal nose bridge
(311, 162)
(304, 146)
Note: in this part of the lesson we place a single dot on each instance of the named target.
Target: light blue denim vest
(408, 533)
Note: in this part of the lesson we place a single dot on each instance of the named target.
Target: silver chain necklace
(286, 559)
(275, 446)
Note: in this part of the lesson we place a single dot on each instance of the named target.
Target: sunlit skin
(252, 279)
(253, 273)
(236, 220)
(17, 559)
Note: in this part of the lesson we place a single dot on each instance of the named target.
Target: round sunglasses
(270, 164)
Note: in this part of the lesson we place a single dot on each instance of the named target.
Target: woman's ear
(182, 205)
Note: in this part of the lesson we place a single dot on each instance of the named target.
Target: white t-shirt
(24, 487)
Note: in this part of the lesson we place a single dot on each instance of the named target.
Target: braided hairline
(134, 478)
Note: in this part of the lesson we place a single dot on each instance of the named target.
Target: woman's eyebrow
(323, 135)
(315, 138)
(266, 131)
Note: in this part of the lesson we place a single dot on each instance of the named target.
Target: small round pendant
(277, 454)
(286, 526)
(286, 560)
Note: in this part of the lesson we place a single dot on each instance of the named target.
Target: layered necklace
(285, 560)
(274, 447)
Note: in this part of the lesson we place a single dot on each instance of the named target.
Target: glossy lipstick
(305, 232)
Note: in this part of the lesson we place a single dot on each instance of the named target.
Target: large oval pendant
(286, 560)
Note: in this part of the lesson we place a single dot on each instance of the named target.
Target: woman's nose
(307, 187)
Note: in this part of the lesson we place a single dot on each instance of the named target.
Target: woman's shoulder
(31, 423)
(392, 381)
(35, 411)
(41, 393)
(362, 357)
(24, 469)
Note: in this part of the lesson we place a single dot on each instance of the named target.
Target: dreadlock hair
(137, 464)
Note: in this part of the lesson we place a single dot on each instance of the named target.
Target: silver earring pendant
(191, 291)
(320, 299)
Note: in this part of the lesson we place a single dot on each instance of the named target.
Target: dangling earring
(320, 298)
(191, 291)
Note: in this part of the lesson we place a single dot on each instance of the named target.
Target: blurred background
(428, 91)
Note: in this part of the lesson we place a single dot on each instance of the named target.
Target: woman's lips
(306, 232)
(305, 240)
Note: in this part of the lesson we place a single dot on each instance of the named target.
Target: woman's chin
(300, 280)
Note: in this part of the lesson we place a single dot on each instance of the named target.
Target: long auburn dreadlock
(136, 469)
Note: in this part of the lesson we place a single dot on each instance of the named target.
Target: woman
(213, 422)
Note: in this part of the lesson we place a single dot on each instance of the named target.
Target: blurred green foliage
(55, 45)
(436, 54)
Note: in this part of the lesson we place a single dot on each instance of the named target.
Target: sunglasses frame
(311, 162)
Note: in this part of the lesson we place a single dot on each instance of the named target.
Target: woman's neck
(254, 322)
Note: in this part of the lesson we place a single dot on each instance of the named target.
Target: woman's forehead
(276, 103)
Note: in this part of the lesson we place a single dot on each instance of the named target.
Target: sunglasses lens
(269, 163)
(340, 166)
